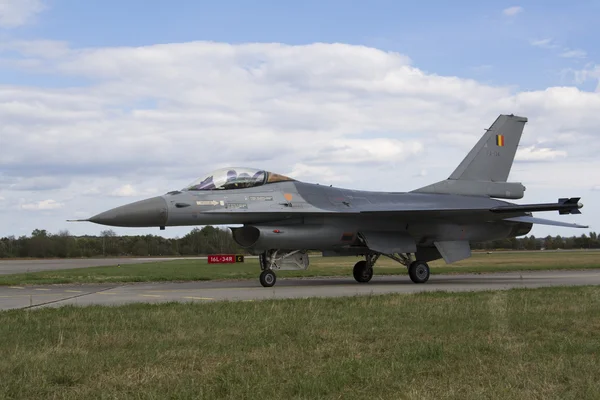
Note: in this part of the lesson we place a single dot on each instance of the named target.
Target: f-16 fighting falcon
(280, 219)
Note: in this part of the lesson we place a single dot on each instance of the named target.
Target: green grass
(189, 270)
(517, 344)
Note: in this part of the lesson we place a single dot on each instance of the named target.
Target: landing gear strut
(267, 276)
(280, 259)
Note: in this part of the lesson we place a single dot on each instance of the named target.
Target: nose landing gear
(278, 259)
(267, 278)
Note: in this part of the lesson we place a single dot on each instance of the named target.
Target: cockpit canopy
(235, 178)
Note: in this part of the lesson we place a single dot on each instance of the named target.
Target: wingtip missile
(573, 205)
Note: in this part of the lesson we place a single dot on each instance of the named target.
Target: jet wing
(418, 208)
(563, 206)
(542, 221)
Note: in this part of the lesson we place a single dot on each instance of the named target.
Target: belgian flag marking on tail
(500, 140)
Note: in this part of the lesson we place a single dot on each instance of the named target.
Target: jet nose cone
(144, 213)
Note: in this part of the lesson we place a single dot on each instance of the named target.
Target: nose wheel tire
(418, 271)
(267, 278)
(362, 272)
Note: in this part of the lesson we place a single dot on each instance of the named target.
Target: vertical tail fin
(492, 157)
(484, 171)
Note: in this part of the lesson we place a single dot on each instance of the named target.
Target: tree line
(211, 240)
(41, 244)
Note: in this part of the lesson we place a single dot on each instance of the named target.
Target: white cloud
(124, 191)
(547, 43)
(36, 48)
(15, 13)
(129, 190)
(317, 174)
(532, 153)
(42, 205)
(152, 119)
(510, 11)
(37, 183)
(365, 151)
(577, 53)
(590, 71)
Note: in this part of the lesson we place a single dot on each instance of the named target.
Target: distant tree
(140, 248)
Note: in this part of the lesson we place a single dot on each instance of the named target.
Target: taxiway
(249, 290)
(24, 266)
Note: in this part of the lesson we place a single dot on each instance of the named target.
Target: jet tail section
(484, 171)
(492, 157)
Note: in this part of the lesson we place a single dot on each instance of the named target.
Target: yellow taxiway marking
(73, 291)
(106, 293)
(150, 295)
(198, 298)
(42, 289)
(16, 287)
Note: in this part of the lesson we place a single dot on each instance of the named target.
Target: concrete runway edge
(27, 297)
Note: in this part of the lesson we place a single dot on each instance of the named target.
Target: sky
(107, 102)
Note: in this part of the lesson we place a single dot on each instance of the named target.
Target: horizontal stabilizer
(564, 206)
(542, 221)
(453, 251)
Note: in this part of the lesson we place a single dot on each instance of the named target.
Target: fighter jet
(281, 219)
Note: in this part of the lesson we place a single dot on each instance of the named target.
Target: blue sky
(464, 38)
(107, 102)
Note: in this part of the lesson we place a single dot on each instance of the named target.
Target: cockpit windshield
(235, 178)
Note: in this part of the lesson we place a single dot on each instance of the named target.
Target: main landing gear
(363, 270)
(418, 271)
(278, 259)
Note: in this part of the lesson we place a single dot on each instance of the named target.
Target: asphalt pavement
(250, 290)
(35, 265)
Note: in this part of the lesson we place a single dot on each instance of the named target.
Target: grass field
(188, 270)
(517, 344)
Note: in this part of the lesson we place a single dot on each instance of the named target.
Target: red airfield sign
(225, 259)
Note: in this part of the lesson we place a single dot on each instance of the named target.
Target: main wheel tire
(267, 278)
(418, 272)
(362, 272)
